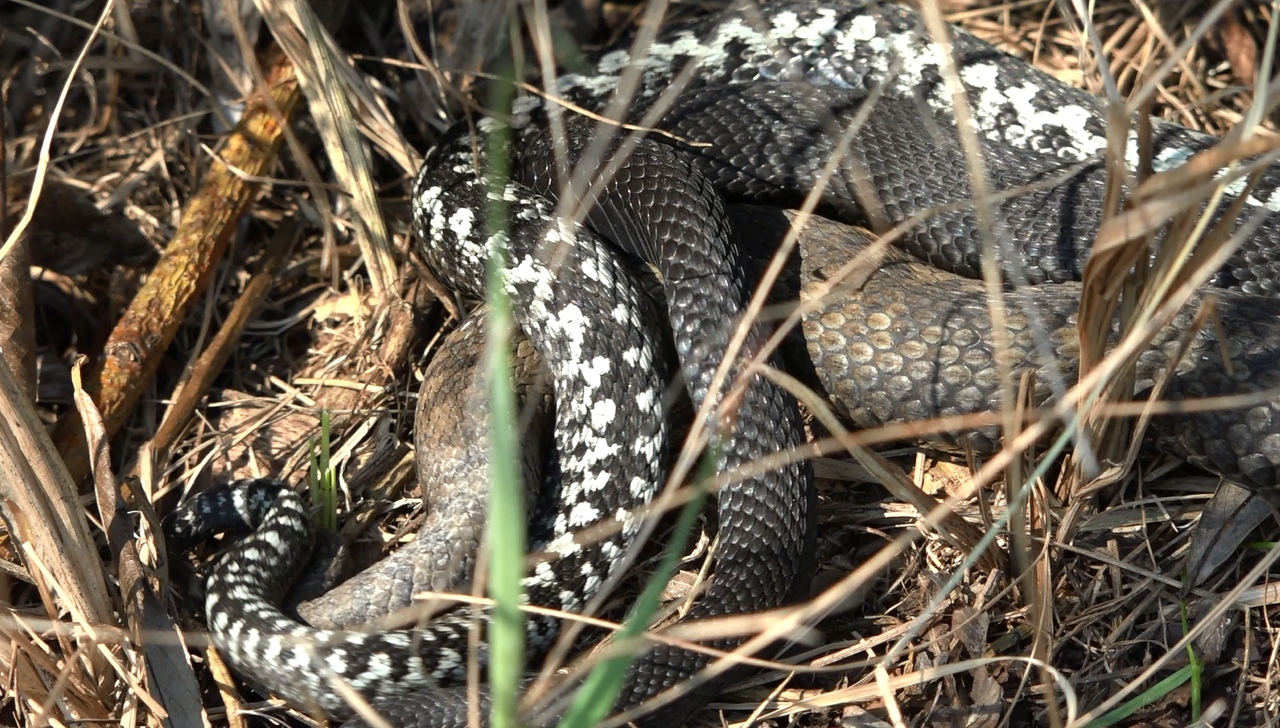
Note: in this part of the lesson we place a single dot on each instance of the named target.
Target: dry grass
(1088, 609)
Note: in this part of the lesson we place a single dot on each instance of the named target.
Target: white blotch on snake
(582, 515)
(460, 222)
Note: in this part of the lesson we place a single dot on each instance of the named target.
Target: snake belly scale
(773, 86)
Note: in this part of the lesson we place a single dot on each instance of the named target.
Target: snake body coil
(760, 117)
(605, 471)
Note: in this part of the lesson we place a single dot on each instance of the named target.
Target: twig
(136, 346)
(187, 395)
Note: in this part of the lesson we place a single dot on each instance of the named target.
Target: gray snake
(768, 107)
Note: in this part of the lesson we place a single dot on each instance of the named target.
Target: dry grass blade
(43, 513)
(1101, 438)
(168, 671)
(994, 250)
(1093, 620)
(330, 92)
(1204, 624)
(1167, 204)
(42, 167)
(893, 684)
(43, 510)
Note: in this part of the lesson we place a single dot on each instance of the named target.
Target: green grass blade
(506, 520)
(322, 480)
(1145, 698)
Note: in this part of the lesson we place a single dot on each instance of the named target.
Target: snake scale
(773, 89)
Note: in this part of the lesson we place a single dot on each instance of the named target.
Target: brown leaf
(17, 312)
(1239, 47)
(1227, 520)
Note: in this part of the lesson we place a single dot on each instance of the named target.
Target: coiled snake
(773, 91)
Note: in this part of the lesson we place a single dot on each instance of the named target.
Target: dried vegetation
(284, 287)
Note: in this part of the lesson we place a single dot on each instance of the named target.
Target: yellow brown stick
(136, 345)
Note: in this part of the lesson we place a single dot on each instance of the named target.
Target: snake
(772, 90)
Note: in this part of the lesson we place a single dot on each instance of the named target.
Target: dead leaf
(1227, 520)
(1240, 48)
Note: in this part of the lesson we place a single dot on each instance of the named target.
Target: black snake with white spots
(773, 90)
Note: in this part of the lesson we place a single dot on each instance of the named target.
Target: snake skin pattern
(770, 88)
(902, 343)
(659, 208)
(298, 663)
(911, 343)
(452, 422)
